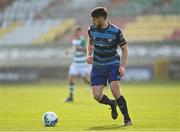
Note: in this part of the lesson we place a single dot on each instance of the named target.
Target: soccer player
(79, 65)
(104, 39)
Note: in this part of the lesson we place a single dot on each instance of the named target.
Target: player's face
(77, 33)
(97, 21)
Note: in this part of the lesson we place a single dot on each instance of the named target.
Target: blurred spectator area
(31, 21)
(145, 23)
(152, 20)
(145, 20)
(144, 7)
(149, 28)
(4, 3)
(35, 31)
(21, 23)
(35, 34)
(153, 28)
(40, 22)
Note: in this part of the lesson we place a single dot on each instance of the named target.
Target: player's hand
(89, 59)
(122, 71)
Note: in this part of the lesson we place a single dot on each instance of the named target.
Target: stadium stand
(145, 7)
(55, 31)
(24, 9)
(175, 36)
(149, 20)
(35, 34)
(26, 21)
(9, 28)
(28, 29)
(152, 28)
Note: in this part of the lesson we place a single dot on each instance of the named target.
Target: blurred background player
(79, 65)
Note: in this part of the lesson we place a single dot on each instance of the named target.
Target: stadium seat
(152, 28)
(29, 31)
(55, 31)
(9, 28)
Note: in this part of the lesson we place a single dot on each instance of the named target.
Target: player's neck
(78, 37)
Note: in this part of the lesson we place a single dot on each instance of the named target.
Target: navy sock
(105, 100)
(121, 102)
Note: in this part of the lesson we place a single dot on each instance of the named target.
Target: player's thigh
(73, 71)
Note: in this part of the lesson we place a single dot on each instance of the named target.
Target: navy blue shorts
(100, 75)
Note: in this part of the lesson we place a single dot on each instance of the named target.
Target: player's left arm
(124, 56)
(124, 48)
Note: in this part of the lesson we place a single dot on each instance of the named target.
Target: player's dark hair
(99, 12)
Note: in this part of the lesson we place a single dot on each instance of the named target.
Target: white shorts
(79, 69)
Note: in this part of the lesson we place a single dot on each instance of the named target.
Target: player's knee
(71, 78)
(116, 95)
(97, 97)
(85, 80)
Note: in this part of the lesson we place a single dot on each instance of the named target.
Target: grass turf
(152, 106)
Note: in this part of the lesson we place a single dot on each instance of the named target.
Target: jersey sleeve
(120, 38)
(83, 43)
(90, 39)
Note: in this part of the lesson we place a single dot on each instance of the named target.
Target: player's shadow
(107, 127)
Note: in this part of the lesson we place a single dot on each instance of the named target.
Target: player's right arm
(89, 50)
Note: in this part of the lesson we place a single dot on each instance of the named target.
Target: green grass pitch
(153, 107)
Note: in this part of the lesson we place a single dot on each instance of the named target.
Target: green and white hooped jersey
(79, 56)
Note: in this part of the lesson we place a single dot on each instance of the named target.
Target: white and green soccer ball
(50, 119)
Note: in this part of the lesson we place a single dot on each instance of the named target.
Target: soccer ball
(50, 118)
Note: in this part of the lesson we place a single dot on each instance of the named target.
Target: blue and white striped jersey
(105, 42)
